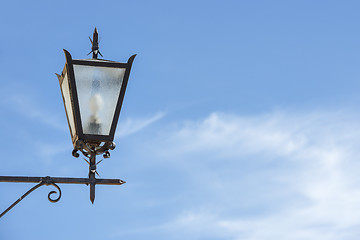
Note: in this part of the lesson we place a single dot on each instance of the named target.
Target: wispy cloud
(27, 107)
(133, 125)
(281, 175)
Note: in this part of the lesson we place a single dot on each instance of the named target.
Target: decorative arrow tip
(92, 193)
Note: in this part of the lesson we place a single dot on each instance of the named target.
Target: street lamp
(93, 91)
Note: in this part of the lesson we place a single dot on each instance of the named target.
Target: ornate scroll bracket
(89, 149)
(44, 181)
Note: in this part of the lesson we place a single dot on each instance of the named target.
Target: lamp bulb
(96, 103)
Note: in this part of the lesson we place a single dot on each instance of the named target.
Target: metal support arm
(52, 181)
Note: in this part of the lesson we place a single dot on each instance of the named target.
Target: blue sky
(240, 121)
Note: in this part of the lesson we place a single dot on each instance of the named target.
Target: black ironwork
(68, 72)
(52, 181)
(90, 150)
(89, 145)
(95, 45)
(44, 181)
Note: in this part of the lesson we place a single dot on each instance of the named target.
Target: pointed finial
(95, 45)
(92, 192)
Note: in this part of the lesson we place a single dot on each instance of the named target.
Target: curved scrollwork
(44, 181)
(54, 192)
(89, 149)
(75, 153)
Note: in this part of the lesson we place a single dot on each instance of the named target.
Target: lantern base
(90, 150)
(93, 148)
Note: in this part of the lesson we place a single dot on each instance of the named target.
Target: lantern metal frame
(69, 71)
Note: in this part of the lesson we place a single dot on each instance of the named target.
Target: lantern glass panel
(98, 90)
(68, 106)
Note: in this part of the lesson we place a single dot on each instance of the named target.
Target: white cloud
(275, 176)
(133, 125)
